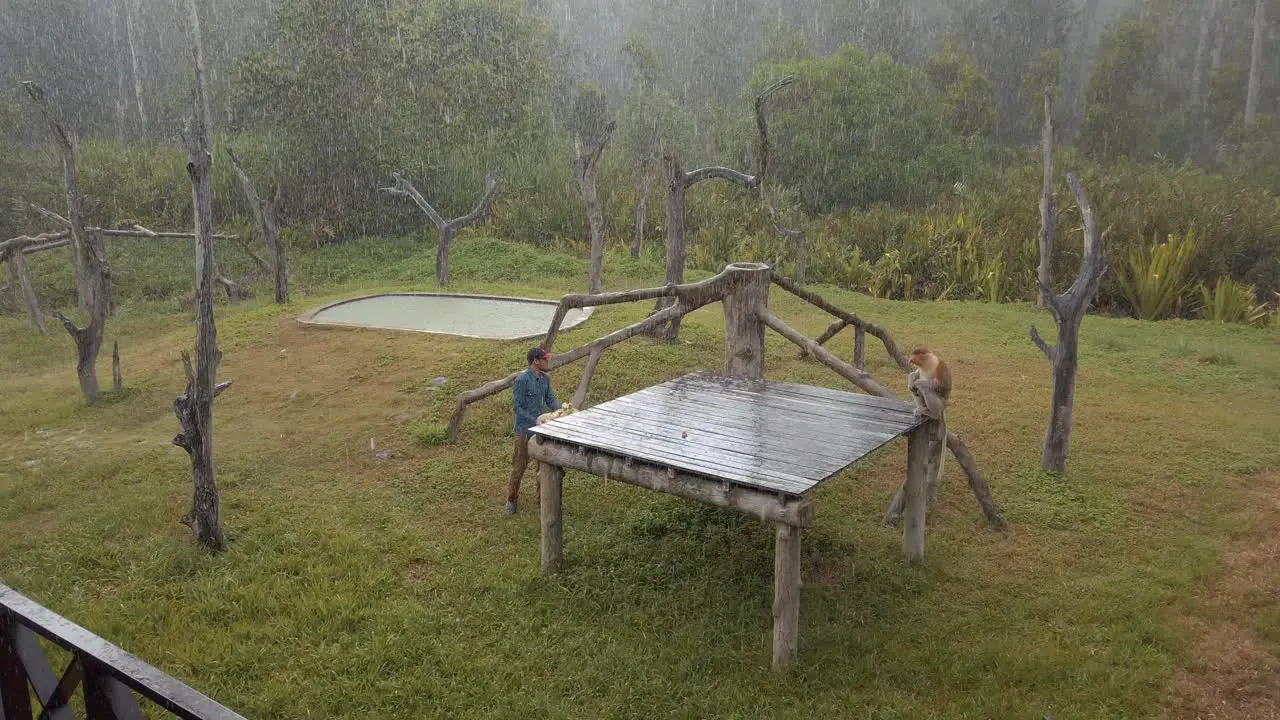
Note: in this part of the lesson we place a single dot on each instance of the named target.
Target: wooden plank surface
(781, 437)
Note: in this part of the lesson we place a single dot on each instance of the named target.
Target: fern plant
(1156, 279)
(1232, 302)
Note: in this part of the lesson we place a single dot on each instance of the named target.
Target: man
(531, 396)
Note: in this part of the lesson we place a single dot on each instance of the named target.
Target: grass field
(1145, 583)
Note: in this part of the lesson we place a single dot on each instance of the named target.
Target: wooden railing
(109, 676)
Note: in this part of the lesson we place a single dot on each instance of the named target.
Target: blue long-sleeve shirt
(531, 396)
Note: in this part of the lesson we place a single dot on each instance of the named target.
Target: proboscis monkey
(930, 385)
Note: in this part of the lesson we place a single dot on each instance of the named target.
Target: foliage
(1156, 279)
(1121, 96)
(443, 91)
(590, 114)
(965, 92)
(855, 130)
(1232, 302)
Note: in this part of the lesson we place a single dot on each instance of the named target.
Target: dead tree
(678, 184)
(264, 214)
(88, 252)
(586, 172)
(448, 229)
(194, 407)
(642, 207)
(1068, 312)
(88, 340)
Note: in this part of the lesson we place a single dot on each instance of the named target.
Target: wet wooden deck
(778, 437)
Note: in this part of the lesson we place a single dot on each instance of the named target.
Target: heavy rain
(649, 358)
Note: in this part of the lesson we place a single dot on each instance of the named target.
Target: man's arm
(551, 400)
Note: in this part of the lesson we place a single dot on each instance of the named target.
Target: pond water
(493, 318)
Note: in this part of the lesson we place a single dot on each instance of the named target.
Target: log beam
(579, 399)
(977, 483)
(766, 507)
(817, 300)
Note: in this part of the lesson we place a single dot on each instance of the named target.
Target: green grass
(360, 587)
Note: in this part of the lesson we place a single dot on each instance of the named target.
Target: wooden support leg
(915, 493)
(551, 477)
(786, 596)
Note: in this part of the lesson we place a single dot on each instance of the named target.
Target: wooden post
(579, 399)
(551, 478)
(744, 332)
(916, 490)
(15, 698)
(860, 348)
(786, 596)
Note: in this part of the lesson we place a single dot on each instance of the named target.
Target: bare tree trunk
(85, 251)
(20, 278)
(1207, 14)
(121, 104)
(447, 234)
(1068, 313)
(137, 67)
(1045, 273)
(642, 208)
(194, 407)
(264, 213)
(1255, 64)
(448, 229)
(586, 171)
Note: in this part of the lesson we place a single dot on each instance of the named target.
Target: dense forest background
(907, 150)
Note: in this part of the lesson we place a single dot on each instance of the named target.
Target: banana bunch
(565, 409)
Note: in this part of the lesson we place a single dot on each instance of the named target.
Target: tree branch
(1093, 264)
(405, 188)
(481, 210)
(70, 326)
(762, 126)
(723, 173)
(872, 329)
(1040, 343)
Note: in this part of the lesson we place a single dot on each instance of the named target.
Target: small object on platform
(566, 409)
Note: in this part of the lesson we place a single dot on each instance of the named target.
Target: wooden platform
(777, 437)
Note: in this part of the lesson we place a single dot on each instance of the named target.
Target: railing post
(106, 698)
(15, 696)
(744, 333)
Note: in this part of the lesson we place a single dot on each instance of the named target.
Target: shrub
(1232, 302)
(1156, 280)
